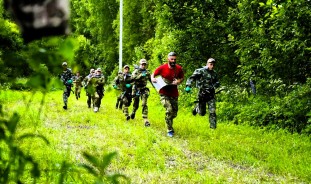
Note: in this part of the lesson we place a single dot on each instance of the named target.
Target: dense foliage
(266, 42)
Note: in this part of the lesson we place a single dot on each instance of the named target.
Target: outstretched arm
(196, 74)
(153, 79)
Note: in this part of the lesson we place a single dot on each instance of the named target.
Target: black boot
(195, 110)
(120, 105)
(133, 115)
(128, 118)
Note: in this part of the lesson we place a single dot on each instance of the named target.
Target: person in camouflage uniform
(116, 85)
(124, 82)
(96, 83)
(207, 82)
(140, 78)
(77, 80)
(87, 87)
(173, 75)
(66, 78)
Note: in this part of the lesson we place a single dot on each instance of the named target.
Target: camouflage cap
(211, 60)
(143, 61)
(126, 66)
(64, 64)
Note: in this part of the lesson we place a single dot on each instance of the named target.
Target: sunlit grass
(197, 154)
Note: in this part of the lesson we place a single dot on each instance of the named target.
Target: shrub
(290, 109)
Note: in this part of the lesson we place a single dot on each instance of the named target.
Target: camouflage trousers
(78, 91)
(97, 98)
(171, 106)
(119, 103)
(89, 97)
(144, 98)
(66, 94)
(89, 100)
(126, 101)
(211, 108)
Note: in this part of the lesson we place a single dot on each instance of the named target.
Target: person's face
(172, 61)
(210, 66)
(64, 67)
(143, 66)
(126, 70)
(77, 73)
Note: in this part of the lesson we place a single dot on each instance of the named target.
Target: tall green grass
(196, 154)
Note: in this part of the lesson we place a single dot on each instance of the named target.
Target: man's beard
(172, 64)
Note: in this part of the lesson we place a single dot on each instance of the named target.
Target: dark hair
(172, 54)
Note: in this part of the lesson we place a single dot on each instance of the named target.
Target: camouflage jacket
(78, 80)
(141, 77)
(66, 75)
(95, 83)
(86, 80)
(121, 80)
(205, 79)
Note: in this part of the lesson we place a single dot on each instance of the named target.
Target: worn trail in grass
(229, 154)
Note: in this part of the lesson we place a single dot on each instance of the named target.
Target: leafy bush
(290, 109)
(14, 161)
(17, 164)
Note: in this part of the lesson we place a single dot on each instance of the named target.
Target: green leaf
(92, 159)
(64, 170)
(34, 136)
(2, 133)
(12, 123)
(35, 171)
(67, 49)
(107, 159)
(90, 169)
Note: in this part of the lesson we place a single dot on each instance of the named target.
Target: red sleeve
(158, 71)
(180, 73)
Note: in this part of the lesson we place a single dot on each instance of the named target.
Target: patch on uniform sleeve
(40, 18)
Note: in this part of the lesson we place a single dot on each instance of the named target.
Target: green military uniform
(87, 88)
(124, 80)
(140, 78)
(207, 81)
(78, 85)
(66, 78)
(96, 89)
(116, 85)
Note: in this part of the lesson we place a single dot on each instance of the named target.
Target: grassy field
(196, 154)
